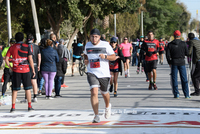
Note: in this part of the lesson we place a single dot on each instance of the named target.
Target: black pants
(196, 77)
(7, 78)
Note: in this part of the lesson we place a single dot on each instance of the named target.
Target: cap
(12, 40)
(142, 36)
(113, 39)
(95, 32)
(160, 38)
(177, 33)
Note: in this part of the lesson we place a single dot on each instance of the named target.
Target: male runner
(21, 58)
(161, 50)
(150, 47)
(97, 56)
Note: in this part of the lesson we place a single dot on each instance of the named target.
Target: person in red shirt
(161, 50)
(21, 58)
(150, 47)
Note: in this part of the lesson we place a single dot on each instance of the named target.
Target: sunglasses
(125, 39)
(112, 42)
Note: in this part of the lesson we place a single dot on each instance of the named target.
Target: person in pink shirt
(126, 50)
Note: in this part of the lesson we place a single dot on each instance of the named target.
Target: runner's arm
(86, 59)
(7, 62)
(111, 57)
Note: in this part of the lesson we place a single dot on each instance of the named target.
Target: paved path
(134, 104)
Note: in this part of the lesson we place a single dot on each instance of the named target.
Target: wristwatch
(105, 56)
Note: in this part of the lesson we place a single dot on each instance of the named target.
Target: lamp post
(9, 21)
(37, 30)
(142, 32)
(115, 25)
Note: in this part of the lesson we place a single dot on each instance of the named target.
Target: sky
(192, 7)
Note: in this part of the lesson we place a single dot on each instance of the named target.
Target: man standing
(150, 48)
(37, 61)
(194, 52)
(21, 58)
(161, 50)
(97, 56)
(7, 71)
(176, 52)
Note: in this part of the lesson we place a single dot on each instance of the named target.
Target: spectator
(48, 66)
(194, 52)
(103, 37)
(21, 58)
(61, 70)
(7, 71)
(176, 52)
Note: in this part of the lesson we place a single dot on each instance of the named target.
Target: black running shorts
(23, 78)
(127, 58)
(161, 52)
(150, 65)
(98, 82)
(74, 59)
(36, 72)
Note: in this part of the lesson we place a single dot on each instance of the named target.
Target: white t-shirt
(96, 65)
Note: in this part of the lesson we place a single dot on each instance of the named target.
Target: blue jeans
(183, 76)
(41, 82)
(134, 59)
(58, 81)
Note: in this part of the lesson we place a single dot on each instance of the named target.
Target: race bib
(95, 63)
(151, 49)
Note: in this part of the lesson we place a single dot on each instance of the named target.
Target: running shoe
(51, 98)
(161, 63)
(115, 94)
(126, 75)
(30, 109)
(39, 93)
(147, 80)
(111, 88)
(176, 96)
(142, 69)
(96, 119)
(150, 85)
(12, 110)
(154, 86)
(34, 99)
(188, 97)
(57, 96)
(138, 70)
(194, 94)
(129, 75)
(108, 111)
(23, 101)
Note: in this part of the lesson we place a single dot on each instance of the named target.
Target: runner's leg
(95, 100)
(115, 80)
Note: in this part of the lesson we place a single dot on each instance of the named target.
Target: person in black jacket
(176, 52)
(115, 66)
(61, 70)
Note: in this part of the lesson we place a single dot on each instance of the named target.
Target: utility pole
(142, 32)
(115, 25)
(9, 21)
(197, 25)
(37, 30)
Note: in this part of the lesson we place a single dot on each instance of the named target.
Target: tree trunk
(69, 45)
(106, 22)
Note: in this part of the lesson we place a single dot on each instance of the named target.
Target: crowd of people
(46, 64)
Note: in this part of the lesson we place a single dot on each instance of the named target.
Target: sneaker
(111, 88)
(12, 110)
(115, 94)
(161, 63)
(51, 98)
(147, 80)
(34, 100)
(126, 75)
(188, 97)
(129, 75)
(142, 69)
(176, 96)
(194, 94)
(39, 93)
(108, 111)
(57, 96)
(23, 101)
(150, 86)
(96, 119)
(155, 87)
(47, 97)
(138, 70)
(30, 109)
